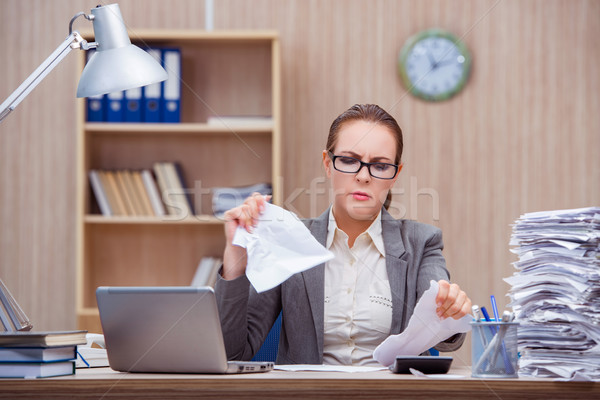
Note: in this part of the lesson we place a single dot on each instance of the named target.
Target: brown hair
(370, 113)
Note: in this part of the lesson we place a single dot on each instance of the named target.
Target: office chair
(268, 350)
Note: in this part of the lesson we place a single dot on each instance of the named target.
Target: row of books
(158, 102)
(157, 192)
(39, 354)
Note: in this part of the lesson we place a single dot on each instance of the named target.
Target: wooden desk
(104, 383)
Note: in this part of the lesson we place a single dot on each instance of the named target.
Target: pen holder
(494, 349)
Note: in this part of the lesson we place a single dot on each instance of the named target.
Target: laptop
(166, 329)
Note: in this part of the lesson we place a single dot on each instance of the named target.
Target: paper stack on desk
(556, 293)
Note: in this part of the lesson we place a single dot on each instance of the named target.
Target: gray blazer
(413, 258)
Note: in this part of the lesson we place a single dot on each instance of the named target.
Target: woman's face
(359, 195)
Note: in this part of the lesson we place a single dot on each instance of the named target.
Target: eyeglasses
(351, 165)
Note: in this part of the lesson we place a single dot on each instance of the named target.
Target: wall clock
(434, 65)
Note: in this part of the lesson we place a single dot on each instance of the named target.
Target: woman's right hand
(246, 216)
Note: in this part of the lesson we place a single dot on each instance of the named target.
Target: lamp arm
(73, 41)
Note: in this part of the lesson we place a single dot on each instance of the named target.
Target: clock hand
(446, 62)
(432, 62)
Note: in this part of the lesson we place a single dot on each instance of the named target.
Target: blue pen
(493, 329)
(495, 308)
(487, 317)
(507, 365)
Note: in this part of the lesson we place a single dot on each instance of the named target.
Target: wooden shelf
(183, 128)
(192, 36)
(165, 220)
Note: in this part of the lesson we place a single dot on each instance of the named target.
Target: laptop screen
(162, 329)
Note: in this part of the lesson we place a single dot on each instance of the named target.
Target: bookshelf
(229, 73)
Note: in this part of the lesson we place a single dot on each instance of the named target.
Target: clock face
(434, 65)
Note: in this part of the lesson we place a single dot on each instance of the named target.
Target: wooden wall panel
(523, 135)
(37, 143)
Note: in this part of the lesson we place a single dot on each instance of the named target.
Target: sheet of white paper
(425, 329)
(279, 247)
(329, 368)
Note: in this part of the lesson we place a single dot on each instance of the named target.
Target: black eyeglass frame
(362, 164)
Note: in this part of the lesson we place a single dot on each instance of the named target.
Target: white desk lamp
(116, 65)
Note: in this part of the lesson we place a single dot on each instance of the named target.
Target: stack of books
(39, 354)
(555, 293)
(226, 198)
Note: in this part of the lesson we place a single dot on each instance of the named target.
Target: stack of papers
(226, 198)
(555, 293)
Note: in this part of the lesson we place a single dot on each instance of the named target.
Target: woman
(337, 313)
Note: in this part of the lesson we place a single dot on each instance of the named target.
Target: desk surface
(97, 383)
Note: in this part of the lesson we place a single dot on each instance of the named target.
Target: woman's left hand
(451, 301)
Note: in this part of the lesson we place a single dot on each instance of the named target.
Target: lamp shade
(116, 64)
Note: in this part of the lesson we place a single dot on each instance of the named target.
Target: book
(100, 193)
(204, 272)
(133, 105)
(187, 192)
(171, 111)
(163, 187)
(142, 193)
(37, 354)
(36, 370)
(152, 190)
(152, 94)
(176, 192)
(134, 196)
(96, 108)
(212, 277)
(124, 193)
(114, 194)
(42, 338)
(114, 107)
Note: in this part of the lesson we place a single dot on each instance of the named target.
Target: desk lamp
(116, 65)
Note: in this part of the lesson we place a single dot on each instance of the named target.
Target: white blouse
(358, 300)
